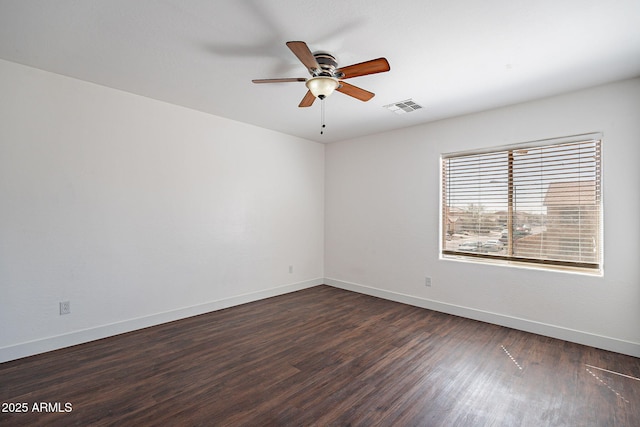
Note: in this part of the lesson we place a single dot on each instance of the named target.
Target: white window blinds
(538, 203)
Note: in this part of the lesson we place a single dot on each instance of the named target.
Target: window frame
(595, 267)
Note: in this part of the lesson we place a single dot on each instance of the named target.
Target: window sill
(597, 272)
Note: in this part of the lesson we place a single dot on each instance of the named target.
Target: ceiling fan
(327, 77)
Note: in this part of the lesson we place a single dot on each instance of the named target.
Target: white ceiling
(451, 56)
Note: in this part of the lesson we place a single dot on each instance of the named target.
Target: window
(537, 203)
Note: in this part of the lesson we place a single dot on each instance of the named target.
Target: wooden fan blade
(355, 91)
(282, 80)
(308, 99)
(301, 50)
(374, 66)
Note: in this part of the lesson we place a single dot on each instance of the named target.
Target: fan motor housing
(327, 62)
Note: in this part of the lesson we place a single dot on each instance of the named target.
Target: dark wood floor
(324, 356)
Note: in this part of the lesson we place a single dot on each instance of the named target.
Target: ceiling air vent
(402, 107)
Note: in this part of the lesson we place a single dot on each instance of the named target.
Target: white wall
(382, 221)
(139, 212)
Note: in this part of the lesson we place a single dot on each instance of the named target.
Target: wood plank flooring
(324, 357)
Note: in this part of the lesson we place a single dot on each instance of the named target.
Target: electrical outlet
(290, 269)
(427, 282)
(65, 307)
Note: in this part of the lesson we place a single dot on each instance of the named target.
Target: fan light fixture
(322, 86)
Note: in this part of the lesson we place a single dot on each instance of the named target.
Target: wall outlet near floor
(427, 281)
(290, 269)
(65, 307)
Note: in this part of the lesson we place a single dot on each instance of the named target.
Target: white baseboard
(579, 337)
(78, 337)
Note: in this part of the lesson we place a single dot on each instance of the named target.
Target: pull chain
(322, 125)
